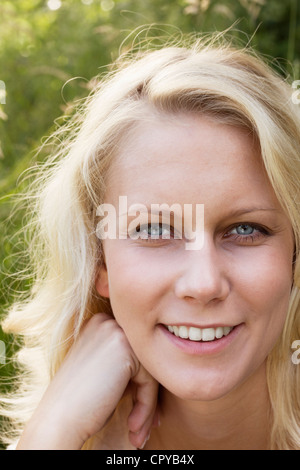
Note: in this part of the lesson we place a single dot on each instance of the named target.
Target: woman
(138, 338)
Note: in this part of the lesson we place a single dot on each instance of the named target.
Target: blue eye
(247, 233)
(244, 229)
(154, 231)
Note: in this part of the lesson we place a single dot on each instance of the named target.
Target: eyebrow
(231, 214)
(247, 210)
(154, 211)
(236, 212)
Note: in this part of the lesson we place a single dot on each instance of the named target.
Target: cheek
(137, 283)
(267, 285)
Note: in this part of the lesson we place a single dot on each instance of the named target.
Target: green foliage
(49, 56)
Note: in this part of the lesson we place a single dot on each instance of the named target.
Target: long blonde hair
(201, 75)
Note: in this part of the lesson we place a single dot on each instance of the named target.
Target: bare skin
(241, 278)
(87, 389)
(243, 423)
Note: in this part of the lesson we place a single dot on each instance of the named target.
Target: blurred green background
(51, 50)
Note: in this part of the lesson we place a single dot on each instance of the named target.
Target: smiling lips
(200, 334)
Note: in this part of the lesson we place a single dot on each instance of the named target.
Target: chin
(200, 392)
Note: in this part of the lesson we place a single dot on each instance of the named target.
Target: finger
(101, 316)
(156, 418)
(142, 415)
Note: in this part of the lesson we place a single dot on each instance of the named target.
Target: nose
(203, 275)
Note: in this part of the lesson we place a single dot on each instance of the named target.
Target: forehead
(186, 152)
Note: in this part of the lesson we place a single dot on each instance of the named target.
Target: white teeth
(219, 332)
(227, 330)
(195, 334)
(200, 334)
(183, 332)
(208, 334)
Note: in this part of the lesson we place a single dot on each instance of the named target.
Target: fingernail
(144, 443)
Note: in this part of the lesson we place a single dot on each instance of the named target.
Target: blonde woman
(134, 335)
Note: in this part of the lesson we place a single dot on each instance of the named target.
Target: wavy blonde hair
(205, 75)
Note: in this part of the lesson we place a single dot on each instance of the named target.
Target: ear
(101, 283)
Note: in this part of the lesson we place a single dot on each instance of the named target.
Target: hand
(87, 389)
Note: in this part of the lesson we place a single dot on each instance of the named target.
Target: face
(201, 321)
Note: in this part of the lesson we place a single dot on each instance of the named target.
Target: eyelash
(153, 240)
(261, 232)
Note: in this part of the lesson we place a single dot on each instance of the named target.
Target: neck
(239, 420)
